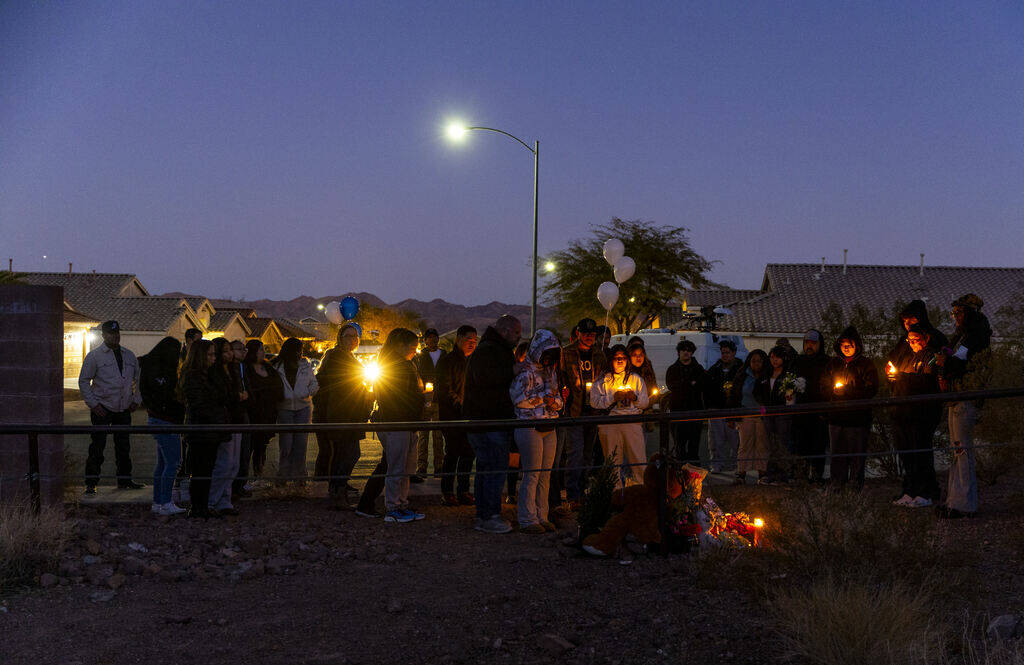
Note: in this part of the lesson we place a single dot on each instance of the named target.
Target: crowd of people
(492, 377)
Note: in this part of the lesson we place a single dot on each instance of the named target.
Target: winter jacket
(687, 385)
(341, 396)
(264, 394)
(205, 404)
(859, 377)
(300, 395)
(230, 383)
(602, 393)
(575, 376)
(535, 382)
(968, 340)
(450, 379)
(158, 385)
(811, 368)
(715, 394)
(915, 375)
(102, 383)
(485, 393)
(399, 393)
(746, 390)
(426, 367)
(918, 310)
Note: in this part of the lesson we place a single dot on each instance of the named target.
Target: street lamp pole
(455, 131)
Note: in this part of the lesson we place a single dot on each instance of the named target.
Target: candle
(839, 385)
(758, 525)
(654, 392)
(429, 387)
(589, 384)
(890, 369)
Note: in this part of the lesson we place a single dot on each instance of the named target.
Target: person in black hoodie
(458, 454)
(849, 376)
(913, 361)
(810, 430)
(485, 396)
(399, 393)
(685, 379)
(916, 312)
(341, 398)
(157, 382)
(205, 404)
(958, 366)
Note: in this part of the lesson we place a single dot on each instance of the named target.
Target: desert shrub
(30, 544)
(838, 622)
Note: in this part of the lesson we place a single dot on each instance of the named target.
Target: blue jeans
(491, 449)
(168, 456)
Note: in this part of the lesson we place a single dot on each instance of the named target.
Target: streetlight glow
(550, 266)
(320, 306)
(457, 131)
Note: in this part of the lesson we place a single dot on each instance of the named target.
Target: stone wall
(31, 386)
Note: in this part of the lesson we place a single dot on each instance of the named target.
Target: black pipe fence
(663, 418)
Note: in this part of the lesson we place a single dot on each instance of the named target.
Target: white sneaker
(919, 502)
(903, 500)
(171, 509)
(156, 509)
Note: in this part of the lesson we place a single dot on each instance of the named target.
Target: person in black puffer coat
(849, 376)
(205, 404)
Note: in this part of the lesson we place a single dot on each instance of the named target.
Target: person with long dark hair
(341, 398)
(295, 408)
(400, 398)
(849, 376)
(205, 404)
(265, 391)
(624, 393)
(641, 364)
(753, 449)
(774, 392)
(158, 382)
(225, 375)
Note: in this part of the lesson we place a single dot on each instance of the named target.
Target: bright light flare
(890, 369)
(456, 131)
(429, 388)
(371, 371)
(839, 385)
(758, 522)
(320, 306)
(550, 266)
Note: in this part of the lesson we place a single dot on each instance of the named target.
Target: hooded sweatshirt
(602, 394)
(811, 367)
(534, 382)
(936, 339)
(859, 377)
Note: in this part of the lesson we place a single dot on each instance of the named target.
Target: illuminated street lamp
(457, 132)
(550, 266)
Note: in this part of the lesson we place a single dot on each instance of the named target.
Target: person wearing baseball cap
(109, 383)
(810, 430)
(582, 364)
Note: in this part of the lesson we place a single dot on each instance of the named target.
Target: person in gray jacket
(109, 383)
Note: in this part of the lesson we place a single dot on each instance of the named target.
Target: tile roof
(220, 321)
(86, 291)
(292, 328)
(259, 325)
(147, 314)
(794, 295)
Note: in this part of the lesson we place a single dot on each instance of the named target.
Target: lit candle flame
(589, 384)
(429, 387)
(758, 522)
(839, 385)
(890, 368)
(654, 392)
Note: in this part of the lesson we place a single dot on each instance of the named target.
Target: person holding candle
(426, 361)
(641, 364)
(774, 392)
(580, 367)
(915, 424)
(849, 376)
(537, 394)
(458, 455)
(624, 393)
(723, 440)
(685, 379)
(753, 448)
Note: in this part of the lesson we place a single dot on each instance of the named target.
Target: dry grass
(30, 544)
(850, 622)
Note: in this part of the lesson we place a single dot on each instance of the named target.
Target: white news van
(660, 344)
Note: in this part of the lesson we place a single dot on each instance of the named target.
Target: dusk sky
(274, 149)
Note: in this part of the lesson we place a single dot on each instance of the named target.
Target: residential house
(77, 339)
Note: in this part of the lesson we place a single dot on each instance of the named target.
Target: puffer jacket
(535, 382)
(859, 377)
(602, 394)
(299, 396)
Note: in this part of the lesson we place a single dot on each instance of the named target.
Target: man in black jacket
(723, 441)
(341, 398)
(458, 454)
(582, 364)
(485, 396)
(810, 430)
(685, 379)
(426, 364)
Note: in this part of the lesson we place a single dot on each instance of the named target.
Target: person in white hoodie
(536, 395)
(299, 387)
(624, 393)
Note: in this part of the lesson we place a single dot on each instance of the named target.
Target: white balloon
(608, 295)
(332, 311)
(624, 269)
(613, 250)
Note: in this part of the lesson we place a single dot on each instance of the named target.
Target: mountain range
(437, 313)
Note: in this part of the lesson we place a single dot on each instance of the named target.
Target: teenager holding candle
(624, 393)
(849, 376)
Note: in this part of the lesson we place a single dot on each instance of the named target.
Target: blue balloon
(349, 307)
(355, 325)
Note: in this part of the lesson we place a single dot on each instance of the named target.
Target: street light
(550, 266)
(457, 132)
